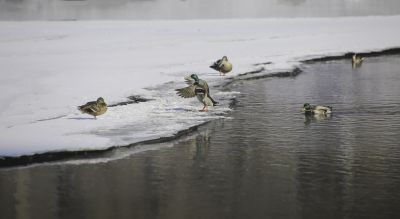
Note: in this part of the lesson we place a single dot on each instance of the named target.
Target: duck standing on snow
(222, 65)
(94, 108)
(356, 60)
(198, 88)
(316, 110)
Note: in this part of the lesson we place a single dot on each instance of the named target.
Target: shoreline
(26, 160)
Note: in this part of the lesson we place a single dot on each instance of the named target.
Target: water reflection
(190, 9)
(262, 163)
(308, 119)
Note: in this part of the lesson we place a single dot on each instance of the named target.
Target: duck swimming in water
(356, 60)
(222, 65)
(198, 88)
(94, 108)
(316, 110)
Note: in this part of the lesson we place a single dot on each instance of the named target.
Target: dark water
(268, 161)
(190, 9)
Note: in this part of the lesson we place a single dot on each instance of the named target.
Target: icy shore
(49, 68)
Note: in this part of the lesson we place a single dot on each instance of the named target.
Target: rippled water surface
(267, 161)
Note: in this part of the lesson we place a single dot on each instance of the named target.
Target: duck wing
(322, 108)
(189, 80)
(90, 107)
(187, 92)
(216, 65)
(87, 105)
(203, 84)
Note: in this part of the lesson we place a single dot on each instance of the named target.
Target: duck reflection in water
(356, 61)
(199, 146)
(311, 118)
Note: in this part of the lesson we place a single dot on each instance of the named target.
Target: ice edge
(26, 160)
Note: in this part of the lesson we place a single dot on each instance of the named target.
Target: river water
(267, 160)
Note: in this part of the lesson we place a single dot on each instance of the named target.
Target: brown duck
(222, 65)
(94, 108)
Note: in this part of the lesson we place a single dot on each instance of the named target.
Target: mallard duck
(222, 65)
(316, 110)
(94, 108)
(356, 60)
(198, 88)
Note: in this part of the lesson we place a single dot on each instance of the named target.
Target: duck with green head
(316, 110)
(222, 65)
(94, 108)
(197, 88)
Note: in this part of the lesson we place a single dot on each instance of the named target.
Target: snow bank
(49, 68)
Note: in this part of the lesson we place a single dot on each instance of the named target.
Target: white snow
(49, 68)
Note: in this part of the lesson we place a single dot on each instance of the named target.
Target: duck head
(195, 78)
(100, 100)
(306, 107)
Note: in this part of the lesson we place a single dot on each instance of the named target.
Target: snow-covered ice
(49, 68)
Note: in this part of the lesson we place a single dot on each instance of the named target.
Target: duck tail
(80, 109)
(83, 108)
(214, 66)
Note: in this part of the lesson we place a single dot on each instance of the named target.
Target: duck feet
(205, 109)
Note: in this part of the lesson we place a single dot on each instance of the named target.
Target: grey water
(190, 9)
(267, 160)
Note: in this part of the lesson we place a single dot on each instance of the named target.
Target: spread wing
(189, 80)
(187, 92)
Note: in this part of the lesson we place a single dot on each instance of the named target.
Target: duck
(316, 110)
(222, 65)
(197, 88)
(356, 60)
(94, 108)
